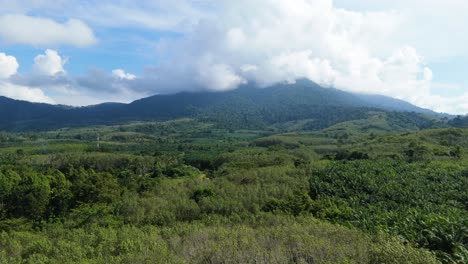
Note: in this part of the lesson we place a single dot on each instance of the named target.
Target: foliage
(185, 191)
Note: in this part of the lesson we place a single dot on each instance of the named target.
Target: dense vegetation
(459, 121)
(186, 191)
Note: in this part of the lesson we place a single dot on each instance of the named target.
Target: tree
(417, 152)
(31, 195)
(60, 193)
(456, 152)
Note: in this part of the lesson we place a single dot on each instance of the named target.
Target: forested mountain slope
(246, 107)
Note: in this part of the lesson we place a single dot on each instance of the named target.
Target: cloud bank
(269, 41)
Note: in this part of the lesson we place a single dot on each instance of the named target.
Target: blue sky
(87, 52)
(116, 48)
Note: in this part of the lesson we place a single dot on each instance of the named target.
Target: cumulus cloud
(267, 41)
(8, 68)
(48, 82)
(217, 77)
(121, 74)
(48, 79)
(301, 64)
(435, 28)
(22, 29)
(49, 64)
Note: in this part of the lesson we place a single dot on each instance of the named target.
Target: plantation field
(186, 191)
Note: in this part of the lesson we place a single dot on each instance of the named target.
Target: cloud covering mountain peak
(219, 45)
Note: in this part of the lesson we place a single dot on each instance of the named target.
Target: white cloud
(301, 64)
(121, 74)
(49, 64)
(174, 15)
(8, 66)
(436, 29)
(24, 93)
(121, 16)
(248, 68)
(235, 38)
(218, 77)
(22, 29)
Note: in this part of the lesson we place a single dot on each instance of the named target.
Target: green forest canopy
(189, 191)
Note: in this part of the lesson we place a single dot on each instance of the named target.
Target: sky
(83, 52)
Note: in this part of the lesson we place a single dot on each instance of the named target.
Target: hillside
(246, 107)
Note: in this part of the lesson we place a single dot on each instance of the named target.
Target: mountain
(246, 107)
(392, 104)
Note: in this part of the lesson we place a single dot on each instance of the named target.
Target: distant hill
(246, 107)
(392, 104)
(459, 121)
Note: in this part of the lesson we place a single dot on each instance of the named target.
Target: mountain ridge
(246, 105)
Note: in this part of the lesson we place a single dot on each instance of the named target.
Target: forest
(192, 191)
